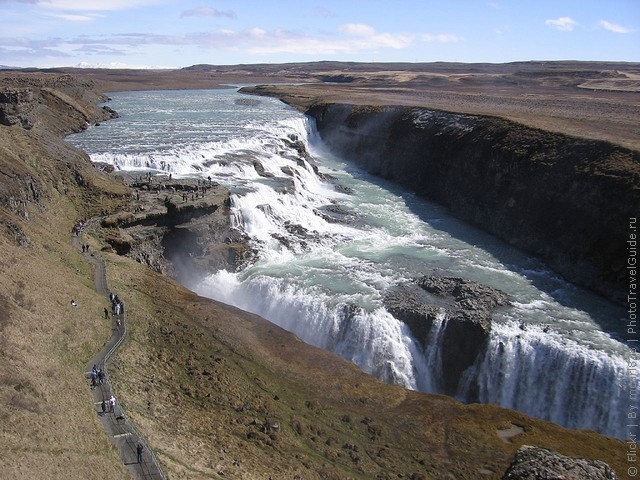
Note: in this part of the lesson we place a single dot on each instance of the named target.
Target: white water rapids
(326, 255)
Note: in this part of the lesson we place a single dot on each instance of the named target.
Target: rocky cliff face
(35, 111)
(565, 200)
(17, 107)
(59, 104)
(465, 309)
(183, 239)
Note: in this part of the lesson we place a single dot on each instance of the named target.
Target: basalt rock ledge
(464, 308)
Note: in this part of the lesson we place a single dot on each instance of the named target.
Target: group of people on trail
(196, 193)
(79, 226)
(110, 407)
(117, 306)
(97, 377)
(110, 404)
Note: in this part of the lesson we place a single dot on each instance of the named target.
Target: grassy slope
(48, 426)
(198, 377)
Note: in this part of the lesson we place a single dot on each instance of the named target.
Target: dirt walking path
(119, 427)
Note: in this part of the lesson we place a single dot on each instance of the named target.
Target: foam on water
(554, 354)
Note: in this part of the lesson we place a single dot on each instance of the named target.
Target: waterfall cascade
(330, 240)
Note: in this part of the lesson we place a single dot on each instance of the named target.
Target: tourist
(139, 449)
(112, 404)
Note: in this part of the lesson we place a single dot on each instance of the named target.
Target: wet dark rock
(260, 169)
(294, 143)
(333, 213)
(348, 311)
(344, 189)
(323, 176)
(408, 305)
(295, 229)
(110, 112)
(105, 167)
(265, 208)
(467, 294)
(533, 463)
(287, 186)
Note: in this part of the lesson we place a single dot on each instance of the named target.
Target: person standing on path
(112, 404)
(104, 406)
(139, 449)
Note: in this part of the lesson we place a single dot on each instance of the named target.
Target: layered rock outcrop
(59, 104)
(34, 112)
(566, 200)
(465, 310)
(183, 239)
(17, 107)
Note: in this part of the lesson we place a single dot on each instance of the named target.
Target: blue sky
(170, 33)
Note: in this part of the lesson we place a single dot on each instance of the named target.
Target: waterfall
(555, 378)
(330, 240)
(433, 354)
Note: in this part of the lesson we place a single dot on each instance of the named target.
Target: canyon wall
(566, 200)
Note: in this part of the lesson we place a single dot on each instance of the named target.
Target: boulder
(533, 463)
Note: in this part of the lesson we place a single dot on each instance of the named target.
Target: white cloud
(441, 38)
(207, 12)
(350, 39)
(74, 17)
(257, 32)
(564, 24)
(119, 65)
(358, 29)
(614, 27)
(99, 50)
(96, 5)
(366, 37)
